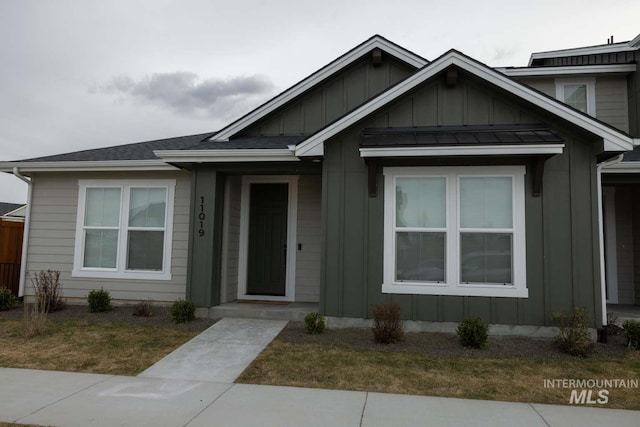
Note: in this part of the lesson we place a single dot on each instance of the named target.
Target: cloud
(185, 93)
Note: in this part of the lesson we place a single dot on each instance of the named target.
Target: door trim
(292, 221)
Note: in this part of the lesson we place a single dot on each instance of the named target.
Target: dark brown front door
(266, 273)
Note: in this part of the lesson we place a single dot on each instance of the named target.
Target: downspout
(25, 236)
(603, 280)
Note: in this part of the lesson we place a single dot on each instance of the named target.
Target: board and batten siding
(332, 98)
(51, 246)
(561, 225)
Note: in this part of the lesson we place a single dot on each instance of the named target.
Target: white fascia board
(570, 70)
(614, 140)
(317, 77)
(230, 155)
(88, 166)
(622, 167)
(481, 150)
(591, 50)
(635, 42)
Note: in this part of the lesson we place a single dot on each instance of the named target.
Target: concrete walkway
(220, 353)
(71, 399)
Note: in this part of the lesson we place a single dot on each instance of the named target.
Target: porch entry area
(621, 226)
(271, 239)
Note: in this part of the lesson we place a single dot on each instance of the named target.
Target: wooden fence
(10, 253)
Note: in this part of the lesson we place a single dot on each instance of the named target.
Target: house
(12, 211)
(447, 186)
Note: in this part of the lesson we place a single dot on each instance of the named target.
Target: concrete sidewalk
(219, 354)
(72, 399)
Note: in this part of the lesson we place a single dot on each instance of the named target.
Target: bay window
(455, 231)
(124, 229)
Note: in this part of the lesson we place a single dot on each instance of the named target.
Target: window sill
(128, 275)
(460, 290)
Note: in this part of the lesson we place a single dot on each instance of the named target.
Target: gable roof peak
(340, 63)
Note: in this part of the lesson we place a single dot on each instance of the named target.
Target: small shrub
(183, 311)
(35, 315)
(473, 332)
(314, 323)
(632, 330)
(7, 299)
(47, 287)
(99, 301)
(143, 309)
(387, 325)
(573, 335)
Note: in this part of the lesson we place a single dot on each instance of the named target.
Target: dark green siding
(332, 98)
(203, 279)
(561, 225)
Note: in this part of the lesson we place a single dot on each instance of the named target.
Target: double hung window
(455, 231)
(124, 229)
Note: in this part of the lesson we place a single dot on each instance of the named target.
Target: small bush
(99, 301)
(314, 323)
(183, 311)
(143, 309)
(7, 299)
(473, 332)
(47, 287)
(387, 325)
(632, 330)
(573, 335)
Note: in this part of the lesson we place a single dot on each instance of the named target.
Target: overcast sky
(78, 74)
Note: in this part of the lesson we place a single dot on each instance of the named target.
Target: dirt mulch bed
(119, 314)
(442, 344)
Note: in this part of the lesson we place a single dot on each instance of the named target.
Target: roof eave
(569, 70)
(88, 166)
(613, 140)
(227, 155)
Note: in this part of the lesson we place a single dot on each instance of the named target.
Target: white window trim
(120, 272)
(452, 286)
(589, 82)
(292, 221)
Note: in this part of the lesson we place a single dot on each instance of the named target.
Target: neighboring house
(12, 211)
(449, 187)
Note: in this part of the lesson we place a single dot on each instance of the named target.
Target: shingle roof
(632, 156)
(135, 151)
(459, 135)
(8, 207)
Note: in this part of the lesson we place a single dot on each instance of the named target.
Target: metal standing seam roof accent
(458, 136)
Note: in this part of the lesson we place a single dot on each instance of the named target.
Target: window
(455, 231)
(124, 229)
(579, 94)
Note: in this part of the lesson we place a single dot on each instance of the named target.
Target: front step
(295, 311)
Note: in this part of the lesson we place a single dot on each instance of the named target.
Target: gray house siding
(561, 225)
(231, 240)
(309, 234)
(625, 244)
(332, 98)
(612, 100)
(52, 237)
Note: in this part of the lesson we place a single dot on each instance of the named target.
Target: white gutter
(603, 279)
(25, 235)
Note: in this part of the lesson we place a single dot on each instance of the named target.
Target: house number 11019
(201, 217)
